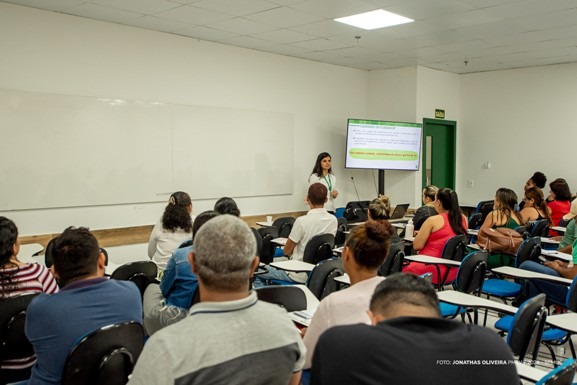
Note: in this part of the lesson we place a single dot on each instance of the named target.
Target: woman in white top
(365, 250)
(172, 229)
(323, 173)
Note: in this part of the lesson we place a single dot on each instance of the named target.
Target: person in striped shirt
(19, 278)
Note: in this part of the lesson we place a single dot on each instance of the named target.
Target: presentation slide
(382, 145)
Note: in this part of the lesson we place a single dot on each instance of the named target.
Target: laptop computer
(400, 211)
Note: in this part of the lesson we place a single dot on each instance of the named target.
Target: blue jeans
(555, 292)
(273, 273)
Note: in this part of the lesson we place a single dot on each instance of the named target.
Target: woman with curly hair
(174, 228)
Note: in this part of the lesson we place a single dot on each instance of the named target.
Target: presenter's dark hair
(369, 243)
(539, 179)
(75, 254)
(402, 289)
(176, 215)
(317, 194)
(561, 189)
(450, 202)
(226, 205)
(8, 237)
(380, 208)
(318, 169)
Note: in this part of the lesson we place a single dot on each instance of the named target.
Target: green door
(439, 152)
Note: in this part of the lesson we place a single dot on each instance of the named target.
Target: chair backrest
(284, 226)
(105, 356)
(455, 248)
(341, 237)
(471, 273)
(484, 207)
(529, 250)
(394, 261)
(525, 333)
(267, 250)
(319, 248)
(258, 239)
(561, 375)
(291, 298)
(539, 228)
(321, 281)
(340, 212)
(571, 302)
(475, 220)
(13, 341)
(142, 273)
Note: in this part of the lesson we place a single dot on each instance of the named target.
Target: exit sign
(440, 114)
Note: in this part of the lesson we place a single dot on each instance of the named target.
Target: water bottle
(409, 230)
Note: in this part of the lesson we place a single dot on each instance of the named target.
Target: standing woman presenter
(323, 173)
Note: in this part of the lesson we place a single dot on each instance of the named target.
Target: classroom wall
(520, 121)
(55, 53)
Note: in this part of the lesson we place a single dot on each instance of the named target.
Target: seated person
(170, 301)
(86, 302)
(538, 180)
(174, 228)
(559, 201)
(556, 292)
(380, 209)
(436, 231)
(535, 208)
(503, 215)
(408, 343)
(566, 241)
(230, 337)
(428, 208)
(19, 278)
(317, 221)
(227, 205)
(364, 251)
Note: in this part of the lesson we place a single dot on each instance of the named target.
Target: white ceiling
(459, 36)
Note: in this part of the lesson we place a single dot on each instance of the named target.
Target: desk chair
(561, 375)
(291, 298)
(267, 250)
(393, 263)
(321, 281)
(319, 248)
(455, 249)
(340, 212)
(284, 226)
(539, 228)
(105, 356)
(342, 226)
(484, 207)
(142, 273)
(551, 336)
(524, 335)
(469, 280)
(13, 342)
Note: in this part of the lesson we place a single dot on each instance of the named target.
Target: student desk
(526, 274)
(292, 265)
(303, 317)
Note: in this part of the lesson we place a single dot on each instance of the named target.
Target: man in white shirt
(317, 221)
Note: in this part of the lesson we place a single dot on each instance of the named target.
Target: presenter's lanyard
(328, 182)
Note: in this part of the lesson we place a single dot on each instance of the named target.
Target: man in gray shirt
(229, 337)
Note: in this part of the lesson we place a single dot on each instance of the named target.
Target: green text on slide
(380, 154)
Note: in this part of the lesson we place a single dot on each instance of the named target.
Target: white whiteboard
(67, 151)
